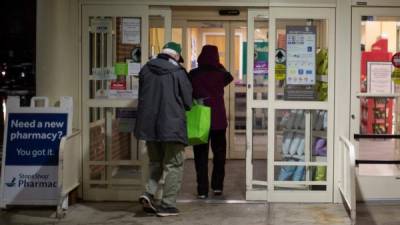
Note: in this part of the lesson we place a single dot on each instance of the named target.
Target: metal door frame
(138, 11)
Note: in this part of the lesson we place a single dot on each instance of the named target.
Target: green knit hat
(175, 47)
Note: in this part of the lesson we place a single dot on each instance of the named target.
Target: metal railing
(347, 176)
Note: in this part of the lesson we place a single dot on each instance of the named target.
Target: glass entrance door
(114, 47)
(375, 107)
(295, 92)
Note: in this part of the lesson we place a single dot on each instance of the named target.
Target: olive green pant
(165, 161)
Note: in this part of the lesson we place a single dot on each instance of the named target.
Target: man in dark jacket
(165, 93)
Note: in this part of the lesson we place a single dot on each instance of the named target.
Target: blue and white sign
(30, 184)
(33, 139)
(300, 62)
(30, 161)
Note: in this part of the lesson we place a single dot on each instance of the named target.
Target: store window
(301, 60)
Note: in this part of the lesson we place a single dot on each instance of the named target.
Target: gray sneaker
(202, 197)
(147, 200)
(167, 211)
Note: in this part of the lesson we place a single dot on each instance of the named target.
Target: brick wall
(123, 50)
(120, 146)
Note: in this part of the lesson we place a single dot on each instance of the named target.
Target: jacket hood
(209, 56)
(162, 66)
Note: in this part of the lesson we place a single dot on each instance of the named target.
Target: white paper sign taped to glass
(130, 31)
(32, 138)
(104, 73)
(300, 52)
(100, 25)
(380, 77)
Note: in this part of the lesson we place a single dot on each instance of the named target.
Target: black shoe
(148, 210)
(217, 192)
(167, 211)
(147, 200)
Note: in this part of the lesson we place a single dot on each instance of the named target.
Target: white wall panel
(57, 52)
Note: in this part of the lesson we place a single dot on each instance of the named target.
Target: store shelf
(376, 115)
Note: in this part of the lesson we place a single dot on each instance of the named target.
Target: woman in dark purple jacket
(208, 82)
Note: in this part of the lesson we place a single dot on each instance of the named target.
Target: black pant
(218, 147)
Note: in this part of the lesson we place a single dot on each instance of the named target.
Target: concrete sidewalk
(101, 213)
(198, 213)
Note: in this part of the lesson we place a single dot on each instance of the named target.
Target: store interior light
(3, 73)
(22, 74)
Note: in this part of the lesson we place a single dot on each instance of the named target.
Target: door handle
(353, 116)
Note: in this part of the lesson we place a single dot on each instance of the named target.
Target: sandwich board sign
(32, 137)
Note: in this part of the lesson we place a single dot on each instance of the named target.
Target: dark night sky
(17, 49)
(17, 34)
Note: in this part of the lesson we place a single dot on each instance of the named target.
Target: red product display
(376, 113)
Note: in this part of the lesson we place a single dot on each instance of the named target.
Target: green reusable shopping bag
(198, 121)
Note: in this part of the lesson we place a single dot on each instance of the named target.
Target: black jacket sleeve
(228, 78)
(185, 90)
